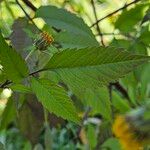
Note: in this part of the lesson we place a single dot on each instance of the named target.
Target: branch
(116, 11)
(35, 72)
(27, 14)
(5, 84)
(29, 4)
(123, 91)
(96, 18)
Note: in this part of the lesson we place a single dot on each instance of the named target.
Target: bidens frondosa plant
(43, 41)
(133, 129)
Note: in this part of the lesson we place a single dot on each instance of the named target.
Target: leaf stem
(96, 18)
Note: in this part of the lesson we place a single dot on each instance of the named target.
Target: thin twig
(38, 71)
(96, 18)
(116, 11)
(27, 14)
(29, 4)
(111, 34)
(5, 84)
(123, 91)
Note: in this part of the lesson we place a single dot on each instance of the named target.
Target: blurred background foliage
(25, 128)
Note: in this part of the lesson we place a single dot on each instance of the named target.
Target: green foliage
(93, 67)
(119, 103)
(145, 34)
(74, 76)
(112, 143)
(55, 99)
(91, 135)
(129, 18)
(98, 99)
(75, 33)
(13, 65)
(20, 88)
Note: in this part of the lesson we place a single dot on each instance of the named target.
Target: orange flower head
(126, 135)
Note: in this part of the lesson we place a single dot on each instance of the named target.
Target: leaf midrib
(105, 64)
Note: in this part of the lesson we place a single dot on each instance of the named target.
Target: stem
(5, 84)
(27, 15)
(96, 18)
(116, 11)
(35, 72)
(29, 4)
(45, 117)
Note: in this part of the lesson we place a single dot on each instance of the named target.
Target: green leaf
(93, 67)
(55, 99)
(2, 77)
(119, 103)
(98, 100)
(75, 32)
(145, 82)
(112, 143)
(20, 88)
(8, 114)
(48, 138)
(92, 136)
(74, 40)
(144, 37)
(13, 65)
(129, 18)
(146, 17)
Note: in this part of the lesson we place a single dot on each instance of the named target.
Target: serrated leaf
(55, 99)
(13, 65)
(72, 27)
(93, 67)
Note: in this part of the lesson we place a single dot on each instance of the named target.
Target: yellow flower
(126, 135)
